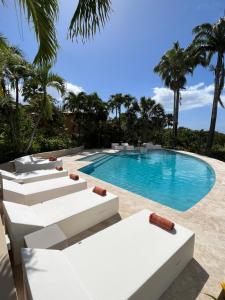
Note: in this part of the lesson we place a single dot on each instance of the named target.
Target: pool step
(97, 159)
(103, 160)
(95, 163)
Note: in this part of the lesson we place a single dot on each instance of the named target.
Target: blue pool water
(172, 179)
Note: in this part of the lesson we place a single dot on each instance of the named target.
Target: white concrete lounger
(132, 259)
(151, 146)
(36, 192)
(29, 163)
(113, 145)
(73, 214)
(32, 176)
(126, 146)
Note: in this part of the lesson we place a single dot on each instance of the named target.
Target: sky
(121, 58)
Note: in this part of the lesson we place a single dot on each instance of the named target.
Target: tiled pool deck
(206, 219)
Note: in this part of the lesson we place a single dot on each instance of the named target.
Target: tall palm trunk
(33, 134)
(3, 86)
(17, 140)
(219, 79)
(119, 122)
(17, 93)
(37, 122)
(175, 116)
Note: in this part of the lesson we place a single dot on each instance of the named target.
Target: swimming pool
(170, 178)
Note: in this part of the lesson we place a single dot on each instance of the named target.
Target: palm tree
(4, 49)
(210, 40)
(13, 69)
(7, 114)
(35, 92)
(95, 117)
(132, 108)
(16, 70)
(173, 67)
(89, 16)
(129, 101)
(115, 104)
(169, 120)
(151, 117)
(76, 104)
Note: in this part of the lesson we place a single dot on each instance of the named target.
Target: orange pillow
(161, 222)
(52, 158)
(59, 168)
(100, 191)
(74, 176)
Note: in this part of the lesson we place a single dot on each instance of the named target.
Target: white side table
(50, 237)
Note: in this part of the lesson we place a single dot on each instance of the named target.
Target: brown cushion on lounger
(161, 221)
(100, 191)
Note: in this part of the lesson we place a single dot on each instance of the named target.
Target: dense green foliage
(195, 141)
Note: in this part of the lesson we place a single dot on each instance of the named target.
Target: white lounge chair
(36, 192)
(126, 146)
(73, 214)
(29, 163)
(132, 259)
(119, 147)
(32, 176)
(114, 145)
(151, 146)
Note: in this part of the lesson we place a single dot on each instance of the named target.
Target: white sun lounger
(29, 163)
(113, 145)
(32, 176)
(151, 146)
(36, 192)
(119, 147)
(73, 214)
(132, 259)
(126, 146)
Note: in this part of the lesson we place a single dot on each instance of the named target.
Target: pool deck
(206, 219)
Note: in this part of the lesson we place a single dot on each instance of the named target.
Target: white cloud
(70, 87)
(198, 95)
(73, 88)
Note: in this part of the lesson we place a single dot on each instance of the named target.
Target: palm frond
(57, 82)
(17, 51)
(206, 27)
(3, 41)
(43, 14)
(89, 16)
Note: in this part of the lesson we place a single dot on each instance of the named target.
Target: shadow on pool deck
(188, 285)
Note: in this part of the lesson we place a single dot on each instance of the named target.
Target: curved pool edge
(87, 169)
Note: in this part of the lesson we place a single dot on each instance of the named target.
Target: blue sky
(122, 57)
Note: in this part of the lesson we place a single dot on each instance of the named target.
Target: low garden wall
(59, 153)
